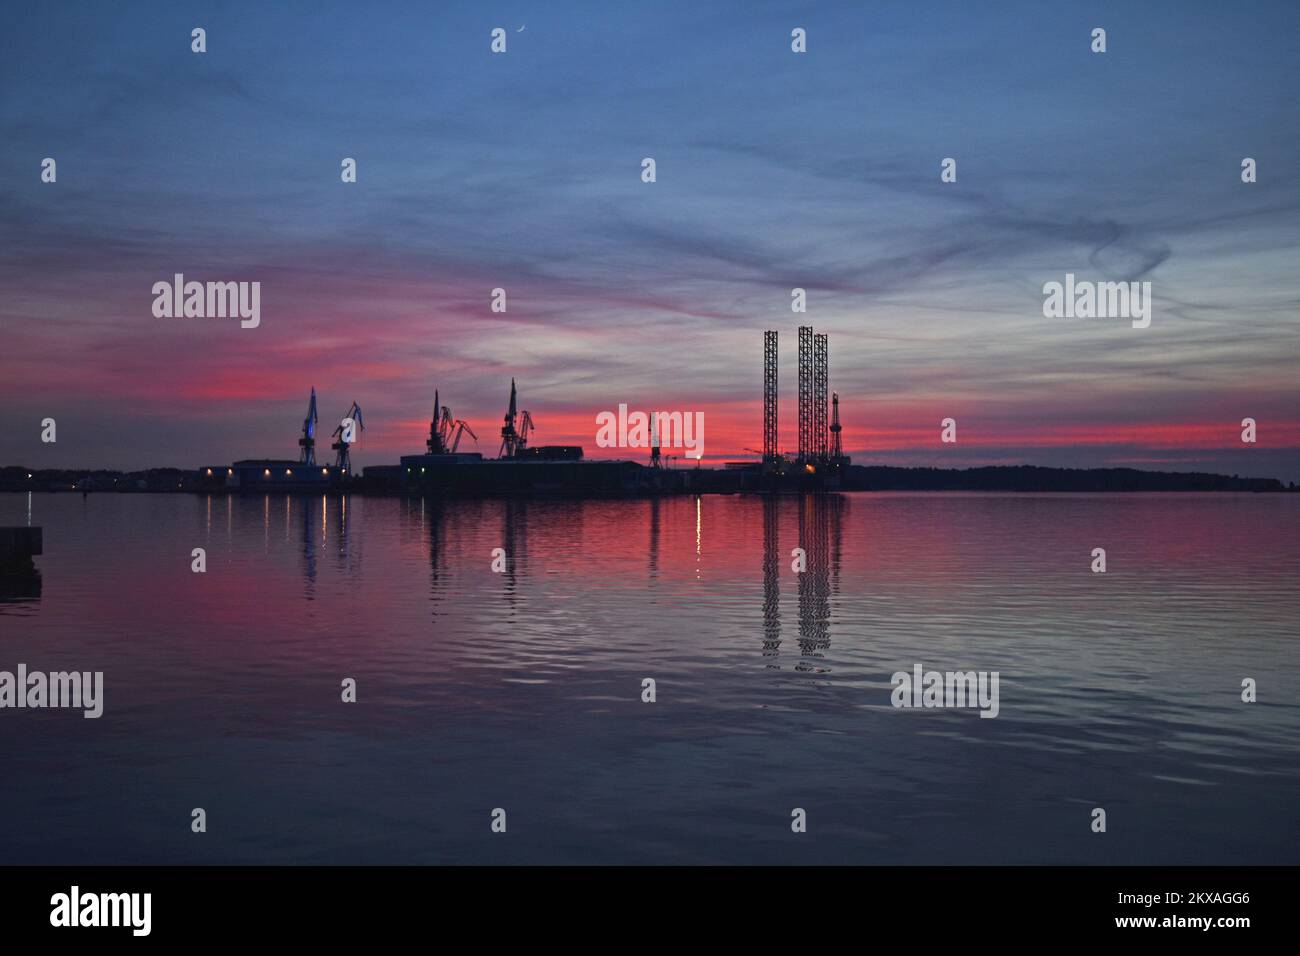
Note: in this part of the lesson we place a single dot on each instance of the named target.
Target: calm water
(522, 690)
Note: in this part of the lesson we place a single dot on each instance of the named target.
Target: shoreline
(673, 482)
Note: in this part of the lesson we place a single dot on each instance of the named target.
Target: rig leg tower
(820, 375)
(806, 449)
(770, 453)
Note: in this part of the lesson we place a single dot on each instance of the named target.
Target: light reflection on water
(522, 689)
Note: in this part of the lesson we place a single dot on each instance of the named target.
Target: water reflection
(819, 523)
(348, 554)
(653, 549)
(814, 584)
(514, 539)
(545, 697)
(317, 516)
(771, 577)
(433, 518)
(22, 588)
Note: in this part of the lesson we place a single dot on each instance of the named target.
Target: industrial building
(519, 469)
(280, 474)
(266, 474)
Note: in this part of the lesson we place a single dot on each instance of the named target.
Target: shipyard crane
(344, 460)
(307, 443)
(446, 424)
(439, 427)
(509, 437)
(462, 427)
(445, 431)
(525, 430)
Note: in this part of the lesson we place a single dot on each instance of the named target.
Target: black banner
(334, 904)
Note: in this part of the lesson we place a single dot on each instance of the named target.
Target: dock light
(324, 471)
(345, 471)
(288, 471)
(811, 470)
(266, 472)
(29, 477)
(230, 471)
(209, 472)
(421, 471)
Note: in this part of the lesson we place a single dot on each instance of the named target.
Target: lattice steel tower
(806, 445)
(769, 397)
(819, 397)
(837, 446)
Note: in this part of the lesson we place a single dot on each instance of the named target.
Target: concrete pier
(17, 548)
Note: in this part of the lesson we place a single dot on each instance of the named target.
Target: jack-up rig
(821, 452)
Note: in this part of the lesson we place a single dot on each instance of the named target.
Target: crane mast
(343, 461)
(307, 443)
(515, 439)
(433, 444)
(439, 428)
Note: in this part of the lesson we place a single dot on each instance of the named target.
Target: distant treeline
(14, 478)
(1033, 478)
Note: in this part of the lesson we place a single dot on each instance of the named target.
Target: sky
(774, 170)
